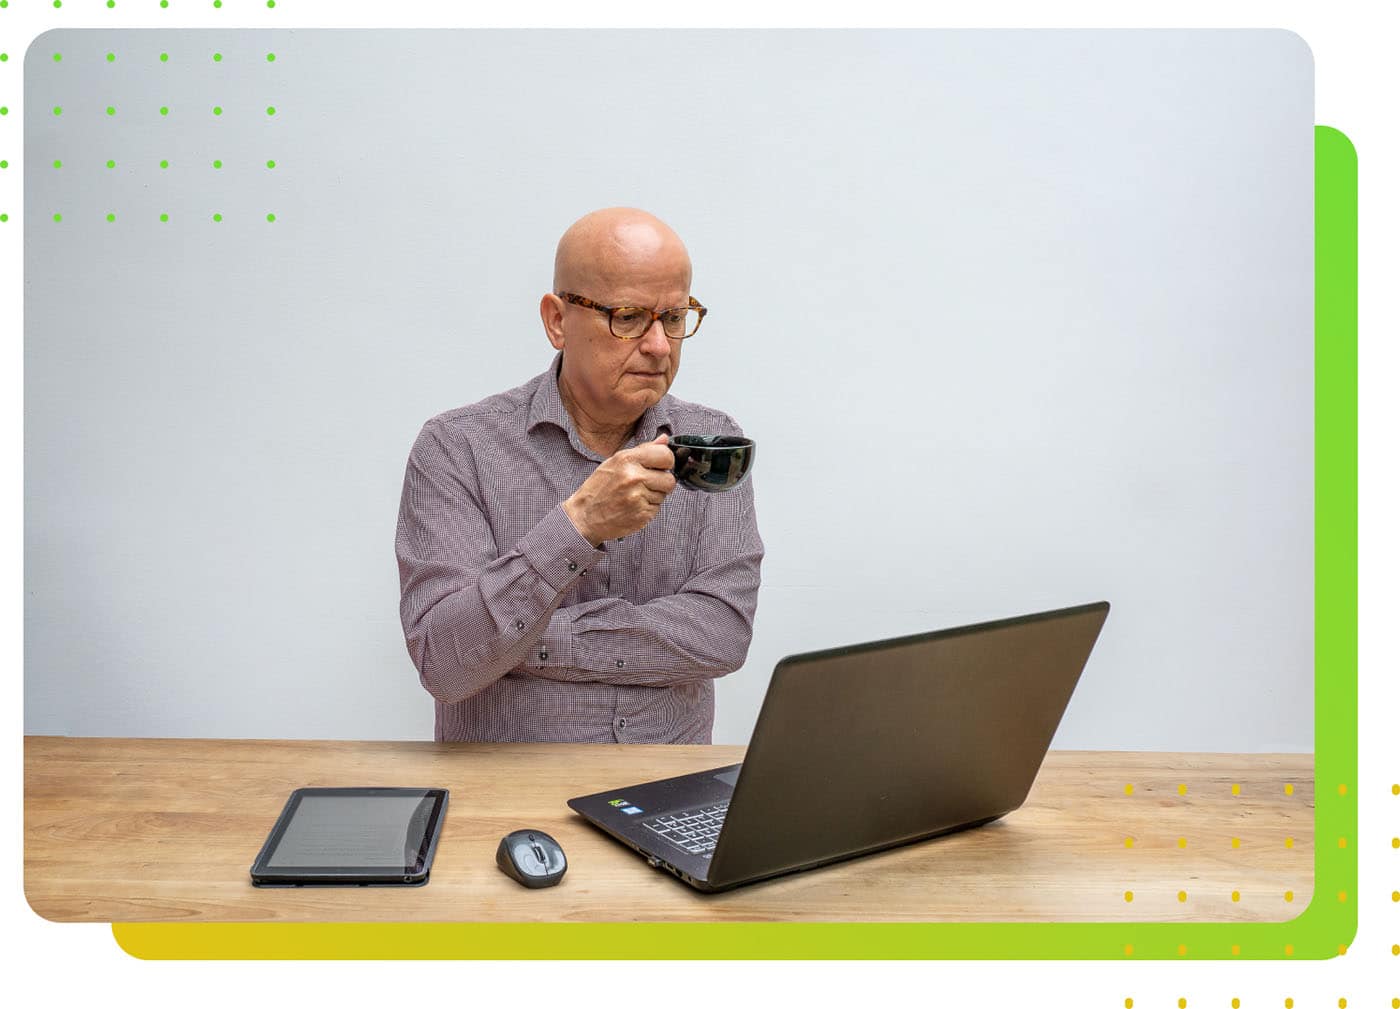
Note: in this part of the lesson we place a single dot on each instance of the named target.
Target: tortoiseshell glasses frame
(642, 318)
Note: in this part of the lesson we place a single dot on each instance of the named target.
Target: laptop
(863, 748)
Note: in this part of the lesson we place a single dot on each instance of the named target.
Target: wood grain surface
(166, 829)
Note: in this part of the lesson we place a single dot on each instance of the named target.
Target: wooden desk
(165, 830)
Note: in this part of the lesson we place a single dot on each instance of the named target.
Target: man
(555, 586)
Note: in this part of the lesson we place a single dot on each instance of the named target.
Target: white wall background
(1054, 289)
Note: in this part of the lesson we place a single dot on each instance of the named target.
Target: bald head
(608, 248)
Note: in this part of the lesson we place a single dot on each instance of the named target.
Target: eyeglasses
(628, 323)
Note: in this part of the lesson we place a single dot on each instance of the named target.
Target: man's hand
(624, 493)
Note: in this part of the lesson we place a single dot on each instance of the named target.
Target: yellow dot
(1341, 842)
(1342, 950)
(1128, 896)
(1234, 789)
(1180, 789)
(1395, 842)
(1341, 1003)
(1288, 951)
(1288, 789)
(1127, 842)
(1288, 1003)
(1181, 1003)
(1181, 951)
(1234, 951)
(1127, 1003)
(1181, 896)
(1235, 896)
(1127, 789)
(1181, 842)
(1395, 1003)
(1288, 842)
(1395, 789)
(1395, 950)
(1288, 896)
(1128, 950)
(1342, 895)
(1234, 1003)
(1234, 842)
(1341, 789)
(1395, 894)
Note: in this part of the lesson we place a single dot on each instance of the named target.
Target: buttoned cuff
(557, 551)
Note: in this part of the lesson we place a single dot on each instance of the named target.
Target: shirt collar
(547, 407)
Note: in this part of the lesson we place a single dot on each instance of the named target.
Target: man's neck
(603, 438)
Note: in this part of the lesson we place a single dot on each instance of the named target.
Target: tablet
(353, 837)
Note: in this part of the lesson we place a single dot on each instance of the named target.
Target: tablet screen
(382, 832)
(346, 833)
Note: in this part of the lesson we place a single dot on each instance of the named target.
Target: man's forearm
(702, 632)
(464, 637)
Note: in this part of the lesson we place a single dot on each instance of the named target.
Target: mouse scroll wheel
(539, 853)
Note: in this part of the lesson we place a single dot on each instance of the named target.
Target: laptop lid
(869, 746)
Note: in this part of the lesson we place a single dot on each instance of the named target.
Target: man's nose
(654, 340)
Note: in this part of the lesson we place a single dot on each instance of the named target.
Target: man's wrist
(571, 511)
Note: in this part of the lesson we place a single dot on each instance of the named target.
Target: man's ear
(552, 315)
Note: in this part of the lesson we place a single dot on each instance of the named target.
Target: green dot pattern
(4, 218)
(111, 4)
(164, 110)
(57, 4)
(4, 110)
(4, 164)
(4, 57)
(165, 3)
(271, 4)
(218, 3)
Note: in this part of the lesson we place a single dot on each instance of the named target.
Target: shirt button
(620, 663)
(520, 625)
(544, 654)
(622, 723)
(573, 566)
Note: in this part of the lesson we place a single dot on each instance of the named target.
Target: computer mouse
(532, 858)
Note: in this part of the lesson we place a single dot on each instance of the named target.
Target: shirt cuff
(557, 551)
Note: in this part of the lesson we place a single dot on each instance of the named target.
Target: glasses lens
(629, 323)
(677, 322)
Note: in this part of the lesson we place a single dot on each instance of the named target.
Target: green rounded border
(1320, 932)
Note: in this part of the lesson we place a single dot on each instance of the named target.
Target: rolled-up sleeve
(469, 616)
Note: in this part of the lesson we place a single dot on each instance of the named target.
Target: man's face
(614, 381)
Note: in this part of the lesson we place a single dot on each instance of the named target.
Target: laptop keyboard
(695, 830)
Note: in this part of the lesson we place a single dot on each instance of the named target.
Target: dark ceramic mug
(711, 462)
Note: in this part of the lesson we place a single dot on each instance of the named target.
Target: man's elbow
(442, 673)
